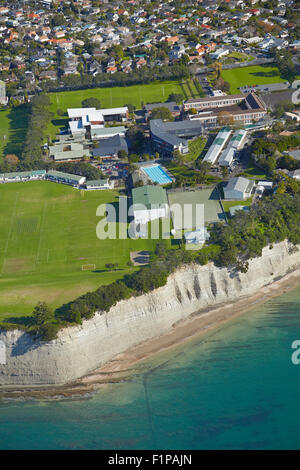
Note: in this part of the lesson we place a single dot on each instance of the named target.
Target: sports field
(117, 96)
(208, 197)
(47, 232)
(253, 75)
(13, 125)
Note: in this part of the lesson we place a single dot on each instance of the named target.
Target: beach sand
(121, 367)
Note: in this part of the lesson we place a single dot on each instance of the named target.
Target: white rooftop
(79, 112)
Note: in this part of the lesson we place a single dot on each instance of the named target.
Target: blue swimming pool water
(157, 175)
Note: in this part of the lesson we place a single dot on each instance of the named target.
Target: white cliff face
(79, 350)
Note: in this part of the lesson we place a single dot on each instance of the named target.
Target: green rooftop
(218, 141)
(149, 196)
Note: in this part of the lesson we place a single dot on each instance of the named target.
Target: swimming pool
(157, 174)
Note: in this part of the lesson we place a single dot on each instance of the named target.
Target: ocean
(234, 388)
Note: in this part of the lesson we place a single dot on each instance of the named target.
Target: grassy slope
(228, 204)
(254, 75)
(47, 232)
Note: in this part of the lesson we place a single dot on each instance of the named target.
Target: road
(204, 84)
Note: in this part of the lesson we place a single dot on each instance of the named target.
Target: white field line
(9, 232)
(41, 232)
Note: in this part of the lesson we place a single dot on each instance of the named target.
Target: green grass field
(234, 57)
(114, 97)
(196, 147)
(47, 232)
(13, 126)
(253, 75)
(228, 204)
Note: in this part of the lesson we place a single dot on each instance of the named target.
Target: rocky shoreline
(121, 367)
(104, 349)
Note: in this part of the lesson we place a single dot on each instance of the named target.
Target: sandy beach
(122, 366)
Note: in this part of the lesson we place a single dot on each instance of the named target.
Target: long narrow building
(217, 146)
(235, 144)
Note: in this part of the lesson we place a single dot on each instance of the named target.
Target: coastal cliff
(79, 350)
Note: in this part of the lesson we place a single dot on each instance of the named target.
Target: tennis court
(157, 174)
(198, 207)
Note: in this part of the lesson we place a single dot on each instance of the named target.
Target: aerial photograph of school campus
(149, 226)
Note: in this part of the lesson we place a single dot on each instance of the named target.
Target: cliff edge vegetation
(271, 220)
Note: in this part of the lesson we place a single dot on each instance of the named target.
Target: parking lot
(114, 169)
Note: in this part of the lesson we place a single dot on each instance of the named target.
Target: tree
(42, 314)
(218, 69)
(122, 154)
(91, 103)
(131, 108)
(225, 172)
(224, 118)
(192, 111)
(57, 20)
(136, 137)
(117, 51)
(285, 64)
(161, 248)
(133, 158)
(161, 113)
(12, 159)
(177, 97)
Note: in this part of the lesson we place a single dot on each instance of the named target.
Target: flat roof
(215, 98)
(108, 131)
(23, 174)
(79, 112)
(108, 111)
(97, 182)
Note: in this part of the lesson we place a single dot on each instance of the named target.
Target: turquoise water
(157, 174)
(234, 389)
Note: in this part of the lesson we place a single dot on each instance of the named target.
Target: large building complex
(170, 136)
(87, 125)
(91, 121)
(244, 109)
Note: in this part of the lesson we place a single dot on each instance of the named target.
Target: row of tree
(141, 75)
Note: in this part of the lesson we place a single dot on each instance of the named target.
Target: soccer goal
(88, 267)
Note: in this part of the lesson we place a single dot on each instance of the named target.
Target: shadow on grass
(62, 312)
(25, 321)
(271, 73)
(59, 122)
(18, 123)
